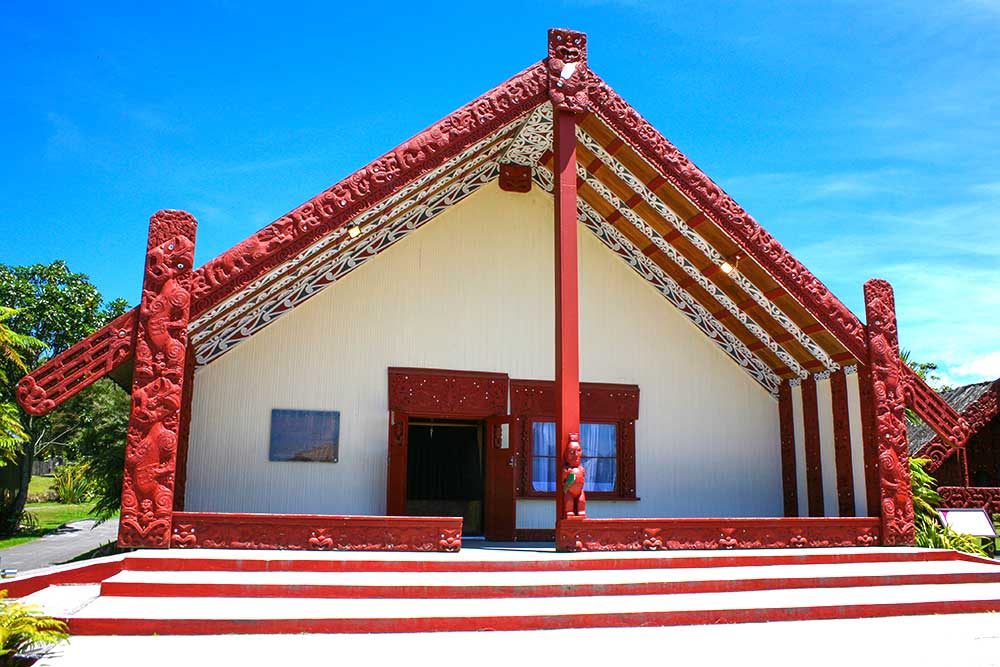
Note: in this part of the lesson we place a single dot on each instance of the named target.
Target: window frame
(600, 403)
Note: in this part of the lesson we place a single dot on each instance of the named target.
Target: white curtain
(599, 444)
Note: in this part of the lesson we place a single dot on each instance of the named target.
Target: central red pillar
(567, 65)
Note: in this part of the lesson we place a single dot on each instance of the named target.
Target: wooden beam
(814, 463)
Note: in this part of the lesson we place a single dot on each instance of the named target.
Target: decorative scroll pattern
(315, 532)
(689, 268)
(157, 395)
(568, 73)
(972, 497)
(302, 280)
(884, 366)
(80, 366)
(433, 393)
(659, 534)
(668, 287)
(977, 415)
(951, 427)
(721, 209)
(292, 233)
(533, 139)
(693, 237)
(271, 286)
(301, 287)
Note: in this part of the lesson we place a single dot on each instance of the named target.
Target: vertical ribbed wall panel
(473, 291)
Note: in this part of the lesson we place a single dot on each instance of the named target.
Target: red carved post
(885, 375)
(567, 65)
(157, 386)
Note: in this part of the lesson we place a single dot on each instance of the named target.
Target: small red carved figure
(574, 500)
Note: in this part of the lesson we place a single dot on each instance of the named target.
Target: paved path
(60, 545)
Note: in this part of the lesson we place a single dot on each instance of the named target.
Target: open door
(395, 483)
(501, 464)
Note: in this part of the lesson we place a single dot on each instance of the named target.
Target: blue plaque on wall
(305, 435)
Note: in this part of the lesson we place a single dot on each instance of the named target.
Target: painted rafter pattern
(691, 270)
(729, 216)
(618, 243)
(692, 236)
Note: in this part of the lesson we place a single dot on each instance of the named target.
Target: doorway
(445, 471)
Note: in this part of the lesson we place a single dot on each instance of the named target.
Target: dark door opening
(444, 470)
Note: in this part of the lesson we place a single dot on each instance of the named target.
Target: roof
(640, 195)
(977, 403)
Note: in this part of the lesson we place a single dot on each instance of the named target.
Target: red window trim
(534, 400)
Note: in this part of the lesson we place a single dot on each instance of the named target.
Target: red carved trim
(884, 366)
(728, 215)
(814, 462)
(977, 415)
(951, 427)
(973, 497)
(515, 178)
(225, 275)
(160, 362)
(787, 425)
(842, 443)
(184, 431)
(315, 532)
(656, 534)
(870, 446)
(535, 400)
(568, 72)
(290, 234)
(80, 366)
(433, 392)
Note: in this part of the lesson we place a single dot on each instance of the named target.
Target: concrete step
(541, 583)
(114, 615)
(513, 559)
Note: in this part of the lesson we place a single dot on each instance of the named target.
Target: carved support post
(888, 405)
(567, 66)
(158, 382)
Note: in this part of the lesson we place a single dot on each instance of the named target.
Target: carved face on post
(574, 454)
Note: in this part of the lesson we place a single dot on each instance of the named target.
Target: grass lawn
(40, 484)
(50, 516)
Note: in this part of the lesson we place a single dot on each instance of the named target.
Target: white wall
(473, 290)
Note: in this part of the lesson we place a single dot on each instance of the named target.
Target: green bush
(25, 630)
(72, 485)
(930, 532)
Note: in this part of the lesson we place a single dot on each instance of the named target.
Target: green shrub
(930, 532)
(72, 484)
(25, 630)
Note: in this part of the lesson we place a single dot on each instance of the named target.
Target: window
(607, 437)
(305, 435)
(600, 447)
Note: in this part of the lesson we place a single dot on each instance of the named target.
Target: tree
(14, 347)
(57, 307)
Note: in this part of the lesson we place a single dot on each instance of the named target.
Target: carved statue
(571, 479)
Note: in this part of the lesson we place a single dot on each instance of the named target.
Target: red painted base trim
(656, 534)
(315, 532)
(115, 626)
(93, 573)
(147, 589)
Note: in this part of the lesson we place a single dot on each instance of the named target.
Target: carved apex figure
(568, 72)
(571, 479)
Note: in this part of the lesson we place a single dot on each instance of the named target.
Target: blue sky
(864, 136)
